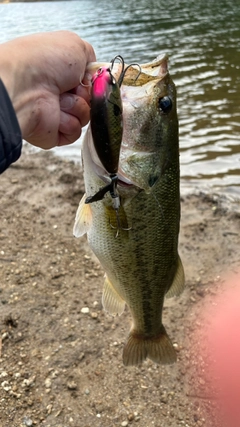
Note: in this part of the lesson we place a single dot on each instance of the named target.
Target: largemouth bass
(142, 264)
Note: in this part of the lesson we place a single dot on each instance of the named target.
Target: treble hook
(124, 70)
(122, 75)
(120, 59)
(112, 189)
(119, 226)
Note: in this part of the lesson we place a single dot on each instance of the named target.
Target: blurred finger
(70, 127)
(76, 106)
(83, 92)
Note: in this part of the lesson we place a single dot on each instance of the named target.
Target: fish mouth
(156, 68)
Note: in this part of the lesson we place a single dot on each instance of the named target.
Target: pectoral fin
(178, 282)
(111, 300)
(83, 219)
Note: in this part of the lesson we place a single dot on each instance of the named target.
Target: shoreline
(59, 363)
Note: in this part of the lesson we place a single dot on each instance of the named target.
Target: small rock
(6, 386)
(49, 409)
(85, 310)
(48, 383)
(124, 424)
(5, 335)
(130, 417)
(71, 385)
(27, 421)
(17, 375)
(94, 315)
(87, 391)
(164, 398)
(176, 346)
(28, 382)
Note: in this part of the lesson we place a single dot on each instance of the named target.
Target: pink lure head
(101, 81)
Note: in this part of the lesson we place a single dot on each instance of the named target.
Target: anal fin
(139, 347)
(83, 219)
(178, 281)
(111, 300)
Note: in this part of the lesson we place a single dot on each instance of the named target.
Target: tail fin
(159, 349)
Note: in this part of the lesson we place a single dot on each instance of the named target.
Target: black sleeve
(10, 132)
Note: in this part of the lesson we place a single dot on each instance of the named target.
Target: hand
(222, 372)
(42, 73)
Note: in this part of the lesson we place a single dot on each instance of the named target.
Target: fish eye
(165, 104)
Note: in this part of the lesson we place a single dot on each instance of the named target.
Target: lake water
(202, 39)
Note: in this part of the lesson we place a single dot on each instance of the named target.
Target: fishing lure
(107, 127)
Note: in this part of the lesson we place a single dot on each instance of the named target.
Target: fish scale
(142, 264)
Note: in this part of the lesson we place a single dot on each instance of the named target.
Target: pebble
(49, 409)
(85, 310)
(71, 385)
(124, 424)
(164, 398)
(27, 421)
(17, 375)
(130, 417)
(176, 346)
(5, 335)
(48, 383)
(94, 315)
(6, 386)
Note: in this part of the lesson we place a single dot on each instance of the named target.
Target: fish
(142, 265)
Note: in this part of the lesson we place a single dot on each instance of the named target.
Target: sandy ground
(61, 366)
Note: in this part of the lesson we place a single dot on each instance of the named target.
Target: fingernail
(66, 102)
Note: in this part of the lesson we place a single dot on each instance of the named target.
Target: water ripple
(202, 40)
